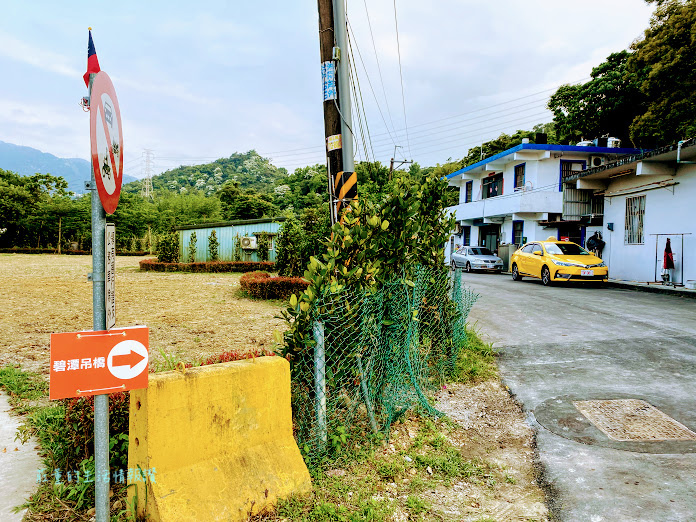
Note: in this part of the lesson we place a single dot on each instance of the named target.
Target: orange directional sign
(96, 363)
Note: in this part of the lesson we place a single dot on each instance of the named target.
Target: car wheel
(468, 267)
(454, 266)
(546, 276)
(515, 273)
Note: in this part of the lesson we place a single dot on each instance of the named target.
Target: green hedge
(262, 285)
(214, 266)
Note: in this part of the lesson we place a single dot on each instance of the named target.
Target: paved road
(564, 344)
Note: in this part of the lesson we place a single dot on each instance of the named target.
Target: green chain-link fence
(373, 355)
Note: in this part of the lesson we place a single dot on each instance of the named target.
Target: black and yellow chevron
(345, 190)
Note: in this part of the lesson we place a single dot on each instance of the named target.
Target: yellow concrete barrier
(215, 442)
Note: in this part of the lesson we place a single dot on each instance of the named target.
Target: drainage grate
(632, 420)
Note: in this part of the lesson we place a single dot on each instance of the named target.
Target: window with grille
(635, 210)
(492, 186)
(468, 191)
(519, 176)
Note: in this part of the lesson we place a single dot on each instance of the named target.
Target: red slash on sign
(106, 137)
(94, 363)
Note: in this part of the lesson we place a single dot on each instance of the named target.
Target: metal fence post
(320, 382)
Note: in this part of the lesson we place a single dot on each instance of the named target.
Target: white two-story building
(648, 199)
(520, 195)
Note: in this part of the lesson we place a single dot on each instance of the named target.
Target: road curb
(665, 290)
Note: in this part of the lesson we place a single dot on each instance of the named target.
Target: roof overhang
(657, 162)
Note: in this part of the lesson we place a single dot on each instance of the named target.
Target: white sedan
(476, 258)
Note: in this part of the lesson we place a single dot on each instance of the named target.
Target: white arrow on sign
(127, 359)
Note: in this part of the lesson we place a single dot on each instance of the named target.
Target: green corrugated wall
(226, 236)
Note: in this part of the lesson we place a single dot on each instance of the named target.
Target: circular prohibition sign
(106, 141)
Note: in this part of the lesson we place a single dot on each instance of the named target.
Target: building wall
(665, 213)
(226, 235)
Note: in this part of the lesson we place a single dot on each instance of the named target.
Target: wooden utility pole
(332, 119)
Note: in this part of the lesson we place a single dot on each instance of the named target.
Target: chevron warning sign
(345, 190)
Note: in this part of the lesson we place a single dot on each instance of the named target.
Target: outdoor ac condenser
(249, 243)
(597, 161)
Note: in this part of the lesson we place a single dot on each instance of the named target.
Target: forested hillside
(248, 169)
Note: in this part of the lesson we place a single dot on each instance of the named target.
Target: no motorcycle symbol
(107, 141)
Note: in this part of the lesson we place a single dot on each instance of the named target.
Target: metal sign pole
(101, 402)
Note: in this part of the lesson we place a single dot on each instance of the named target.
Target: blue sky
(200, 82)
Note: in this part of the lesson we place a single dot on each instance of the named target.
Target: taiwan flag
(92, 61)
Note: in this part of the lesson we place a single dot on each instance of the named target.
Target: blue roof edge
(551, 148)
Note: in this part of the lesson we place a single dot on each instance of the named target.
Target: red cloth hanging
(668, 261)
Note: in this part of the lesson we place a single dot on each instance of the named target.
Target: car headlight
(563, 263)
(602, 264)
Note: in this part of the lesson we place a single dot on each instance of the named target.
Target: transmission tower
(147, 179)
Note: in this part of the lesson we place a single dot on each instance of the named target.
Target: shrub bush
(168, 248)
(213, 245)
(263, 246)
(192, 248)
(153, 265)
(262, 285)
(233, 355)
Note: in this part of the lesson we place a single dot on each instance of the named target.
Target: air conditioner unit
(249, 243)
(597, 161)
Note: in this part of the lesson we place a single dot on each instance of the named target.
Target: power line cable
(379, 108)
(401, 78)
(273, 153)
(354, 73)
(379, 68)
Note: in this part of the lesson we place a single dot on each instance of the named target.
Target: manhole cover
(632, 420)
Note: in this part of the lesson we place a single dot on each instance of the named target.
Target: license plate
(589, 273)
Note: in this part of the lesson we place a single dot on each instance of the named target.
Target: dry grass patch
(191, 316)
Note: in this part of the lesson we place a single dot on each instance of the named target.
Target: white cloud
(45, 59)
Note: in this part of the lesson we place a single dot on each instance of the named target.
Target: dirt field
(191, 316)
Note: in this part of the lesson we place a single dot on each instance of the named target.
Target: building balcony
(529, 202)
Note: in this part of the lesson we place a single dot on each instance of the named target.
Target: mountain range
(27, 161)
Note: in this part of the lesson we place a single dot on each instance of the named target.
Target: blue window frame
(519, 175)
(468, 191)
(567, 170)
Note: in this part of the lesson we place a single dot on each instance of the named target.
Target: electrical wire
(401, 78)
(358, 92)
(379, 68)
(362, 62)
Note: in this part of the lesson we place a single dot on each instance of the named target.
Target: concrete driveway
(563, 345)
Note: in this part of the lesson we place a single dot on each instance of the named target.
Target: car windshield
(565, 249)
(481, 252)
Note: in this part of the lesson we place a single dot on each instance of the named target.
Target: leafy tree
(664, 61)
(192, 248)
(301, 238)
(605, 105)
(263, 246)
(373, 244)
(213, 246)
(244, 204)
(168, 248)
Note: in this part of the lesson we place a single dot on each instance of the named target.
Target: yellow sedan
(554, 260)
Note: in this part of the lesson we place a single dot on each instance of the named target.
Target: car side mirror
(538, 253)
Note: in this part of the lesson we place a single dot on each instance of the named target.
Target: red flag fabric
(668, 261)
(92, 61)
